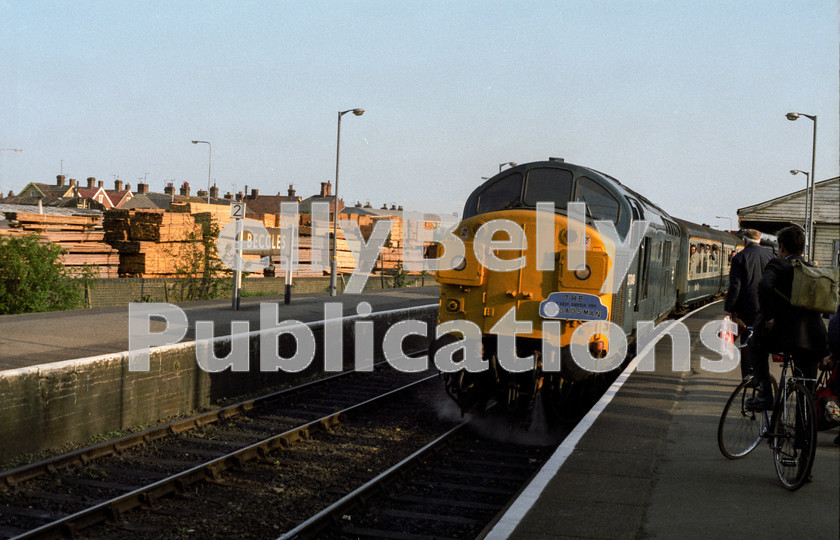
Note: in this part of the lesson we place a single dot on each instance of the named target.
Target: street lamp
(793, 116)
(807, 176)
(726, 217)
(333, 269)
(511, 163)
(209, 164)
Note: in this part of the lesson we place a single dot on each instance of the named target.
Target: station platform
(645, 464)
(40, 338)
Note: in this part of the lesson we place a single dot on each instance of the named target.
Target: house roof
(371, 211)
(268, 204)
(118, 196)
(306, 204)
(49, 190)
(762, 205)
(162, 201)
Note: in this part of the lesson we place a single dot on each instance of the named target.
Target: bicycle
(791, 428)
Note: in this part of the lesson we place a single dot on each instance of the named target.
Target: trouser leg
(746, 361)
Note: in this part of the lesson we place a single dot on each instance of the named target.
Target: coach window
(548, 185)
(600, 204)
(500, 195)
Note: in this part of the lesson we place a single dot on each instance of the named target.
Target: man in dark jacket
(742, 295)
(788, 329)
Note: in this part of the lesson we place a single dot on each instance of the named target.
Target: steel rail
(208, 471)
(312, 526)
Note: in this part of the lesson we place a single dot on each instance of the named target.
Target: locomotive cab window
(503, 194)
(600, 204)
(548, 185)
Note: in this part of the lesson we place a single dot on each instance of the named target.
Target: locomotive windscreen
(542, 185)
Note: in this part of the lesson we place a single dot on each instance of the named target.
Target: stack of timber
(80, 236)
(153, 243)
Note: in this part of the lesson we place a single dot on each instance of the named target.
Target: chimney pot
(59, 180)
(91, 181)
(185, 189)
(326, 189)
(118, 185)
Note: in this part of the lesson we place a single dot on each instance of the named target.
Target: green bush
(33, 279)
(201, 274)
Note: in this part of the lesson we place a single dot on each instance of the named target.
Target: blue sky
(682, 101)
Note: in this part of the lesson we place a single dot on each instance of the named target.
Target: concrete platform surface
(40, 338)
(649, 467)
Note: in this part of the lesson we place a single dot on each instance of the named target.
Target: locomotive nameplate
(573, 306)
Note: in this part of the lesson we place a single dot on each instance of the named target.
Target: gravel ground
(266, 499)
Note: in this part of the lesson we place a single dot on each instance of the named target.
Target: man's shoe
(759, 403)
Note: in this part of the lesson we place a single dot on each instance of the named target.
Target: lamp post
(807, 176)
(793, 116)
(333, 264)
(726, 217)
(209, 164)
(511, 163)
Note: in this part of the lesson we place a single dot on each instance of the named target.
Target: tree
(32, 277)
(201, 275)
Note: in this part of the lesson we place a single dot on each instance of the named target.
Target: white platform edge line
(508, 523)
(61, 364)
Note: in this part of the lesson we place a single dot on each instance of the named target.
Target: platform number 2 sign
(237, 210)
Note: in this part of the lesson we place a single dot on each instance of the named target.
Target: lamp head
(792, 116)
(195, 142)
(794, 172)
(358, 112)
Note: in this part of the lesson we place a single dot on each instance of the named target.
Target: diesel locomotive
(562, 272)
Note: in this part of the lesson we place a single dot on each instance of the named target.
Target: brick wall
(46, 406)
(116, 292)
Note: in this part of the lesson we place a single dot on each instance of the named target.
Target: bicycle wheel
(739, 430)
(794, 428)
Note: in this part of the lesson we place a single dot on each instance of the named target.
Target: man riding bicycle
(782, 327)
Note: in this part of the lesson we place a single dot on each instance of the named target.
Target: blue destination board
(573, 306)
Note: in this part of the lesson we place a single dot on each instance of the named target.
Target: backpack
(815, 289)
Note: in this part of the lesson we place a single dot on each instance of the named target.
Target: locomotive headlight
(583, 273)
(453, 305)
(459, 263)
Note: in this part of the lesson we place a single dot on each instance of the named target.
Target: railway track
(454, 487)
(68, 493)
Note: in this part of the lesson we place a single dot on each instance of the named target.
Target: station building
(771, 216)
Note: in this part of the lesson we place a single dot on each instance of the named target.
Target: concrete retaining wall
(48, 405)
